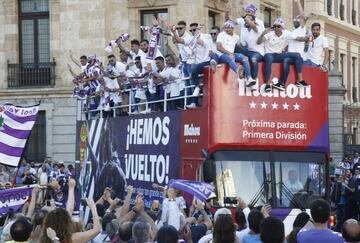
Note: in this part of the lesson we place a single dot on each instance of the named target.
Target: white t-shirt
(276, 44)
(228, 42)
(201, 52)
(113, 84)
(298, 46)
(315, 52)
(244, 31)
(183, 48)
(250, 38)
(119, 68)
(83, 67)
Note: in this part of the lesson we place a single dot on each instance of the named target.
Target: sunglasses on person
(136, 62)
(192, 30)
(213, 33)
(277, 26)
(179, 28)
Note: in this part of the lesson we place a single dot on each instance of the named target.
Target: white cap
(221, 211)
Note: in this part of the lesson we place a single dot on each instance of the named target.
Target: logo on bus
(291, 91)
(190, 130)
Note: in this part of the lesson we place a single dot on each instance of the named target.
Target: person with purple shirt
(320, 213)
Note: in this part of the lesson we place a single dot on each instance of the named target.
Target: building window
(146, 20)
(329, 7)
(342, 10)
(34, 31)
(342, 65)
(35, 68)
(212, 20)
(353, 76)
(267, 17)
(353, 12)
(36, 145)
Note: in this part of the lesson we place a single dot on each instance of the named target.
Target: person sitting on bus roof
(276, 39)
(248, 11)
(225, 45)
(199, 58)
(318, 52)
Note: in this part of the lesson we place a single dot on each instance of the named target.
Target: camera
(230, 200)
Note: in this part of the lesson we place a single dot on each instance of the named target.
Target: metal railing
(28, 75)
(132, 108)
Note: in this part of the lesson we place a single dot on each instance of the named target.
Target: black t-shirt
(198, 231)
(355, 184)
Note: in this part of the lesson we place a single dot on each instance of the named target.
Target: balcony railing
(30, 75)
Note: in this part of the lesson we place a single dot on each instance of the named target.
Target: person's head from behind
(39, 217)
(141, 231)
(272, 230)
(320, 211)
(21, 229)
(125, 230)
(315, 29)
(167, 234)
(351, 230)
(240, 219)
(224, 229)
(106, 219)
(301, 220)
(254, 219)
(135, 45)
(60, 221)
(292, 237)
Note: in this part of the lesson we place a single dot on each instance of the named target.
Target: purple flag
(14, 198)
(15, 128)
(200, 190)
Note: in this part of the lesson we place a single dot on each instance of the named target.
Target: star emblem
(296, 106)
(263, 105)
(252, 105)
(285, 106)
(274, 106)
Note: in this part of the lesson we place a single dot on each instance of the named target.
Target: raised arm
(126, 206)
(74, 61)
(31, 208)
(92, 233)
(139, 208)
(70, 204)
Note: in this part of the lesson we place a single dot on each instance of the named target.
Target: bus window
(245, 179)
(299, 183)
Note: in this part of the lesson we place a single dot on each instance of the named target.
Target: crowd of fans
(143, 75)
(115, 220)
(29, 173)
(345, 195)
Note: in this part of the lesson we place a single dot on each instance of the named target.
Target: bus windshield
(293, 178)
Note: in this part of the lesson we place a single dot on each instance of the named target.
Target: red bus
(263, 147)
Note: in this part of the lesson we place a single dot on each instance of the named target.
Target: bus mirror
(208, 171)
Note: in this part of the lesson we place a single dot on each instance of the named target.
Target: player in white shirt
(182, 38)
(225, 44)
(144, 44)
(248, 10)
(198, 58)
(276, 41)
(134, 52)
(318, 52)
(214, 58)
(255, 52)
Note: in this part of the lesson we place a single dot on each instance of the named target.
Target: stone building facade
(38, 31)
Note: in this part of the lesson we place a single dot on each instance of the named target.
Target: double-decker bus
(263, 147)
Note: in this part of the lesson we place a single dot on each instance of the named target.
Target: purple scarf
(154, 41)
